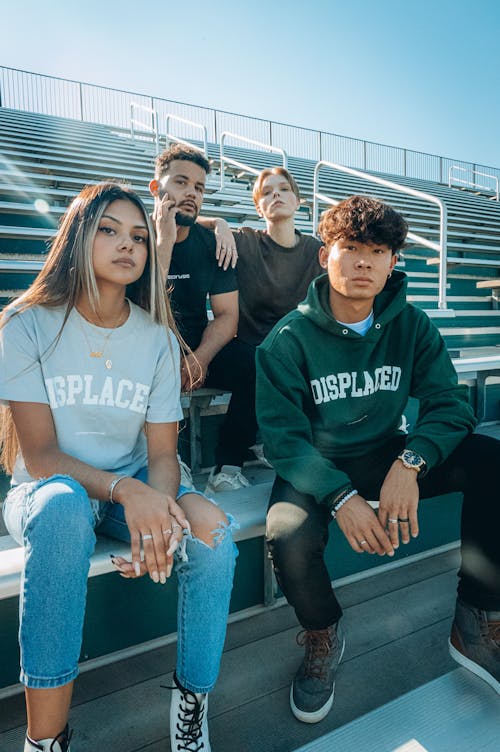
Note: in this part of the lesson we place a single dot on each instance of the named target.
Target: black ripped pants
(233, 368)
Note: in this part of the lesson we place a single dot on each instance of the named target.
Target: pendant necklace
(99, 353)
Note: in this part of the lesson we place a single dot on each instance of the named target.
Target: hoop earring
(389, 275)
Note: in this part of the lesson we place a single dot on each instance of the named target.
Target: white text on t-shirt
(75, 389)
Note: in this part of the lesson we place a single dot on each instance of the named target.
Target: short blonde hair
(257, 186)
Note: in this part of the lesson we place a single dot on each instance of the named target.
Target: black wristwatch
(412, 460)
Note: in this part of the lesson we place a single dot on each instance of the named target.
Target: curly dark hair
(179, 151)
(366, 220)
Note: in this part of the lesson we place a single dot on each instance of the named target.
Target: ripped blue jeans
(55, 521)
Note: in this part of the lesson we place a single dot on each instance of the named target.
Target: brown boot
(475, 642)
(312, 690)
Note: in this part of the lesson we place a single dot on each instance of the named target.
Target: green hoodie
(326, 392)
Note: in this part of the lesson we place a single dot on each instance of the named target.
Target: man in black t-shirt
(192, 274)
(188, 258)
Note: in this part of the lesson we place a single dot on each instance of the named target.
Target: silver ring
(174, 527)
(167, 531)
(147, 536)
(392, 521)
(362, 543)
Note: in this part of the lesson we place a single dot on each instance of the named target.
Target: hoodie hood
(387, 305)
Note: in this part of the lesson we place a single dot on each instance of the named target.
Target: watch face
(412, 458)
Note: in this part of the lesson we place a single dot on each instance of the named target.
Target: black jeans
(233, 368)
(297, 527)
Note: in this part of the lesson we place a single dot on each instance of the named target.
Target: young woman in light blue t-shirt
(90, 387)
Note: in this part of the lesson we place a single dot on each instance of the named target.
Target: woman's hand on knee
(156, 522)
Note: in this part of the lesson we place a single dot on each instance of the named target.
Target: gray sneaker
(230, 478)
(186, 477)
(312, 690)
(475, 642)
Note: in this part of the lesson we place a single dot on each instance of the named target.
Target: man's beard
(185, 220)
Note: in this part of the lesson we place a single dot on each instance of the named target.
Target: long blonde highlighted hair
(68, 272)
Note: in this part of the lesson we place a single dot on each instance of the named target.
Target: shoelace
(189, 719)
(63, 738)
(319, 644)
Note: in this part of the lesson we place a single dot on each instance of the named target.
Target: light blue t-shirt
(360, 327)
(99, 413)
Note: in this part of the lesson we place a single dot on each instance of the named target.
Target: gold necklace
(93, 353)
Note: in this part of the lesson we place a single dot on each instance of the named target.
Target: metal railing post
(472, 183)
(242, 165)
(171, 137)
(80, 92)
(152, 129)
(443, 258)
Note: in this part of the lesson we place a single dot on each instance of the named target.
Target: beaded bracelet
(344, 497)
(112, 487)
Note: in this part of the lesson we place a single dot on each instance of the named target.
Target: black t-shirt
(194, 274)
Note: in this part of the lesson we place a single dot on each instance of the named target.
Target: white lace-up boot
(60, 743)
(188, 720)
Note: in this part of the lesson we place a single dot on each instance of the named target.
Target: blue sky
(423, 74)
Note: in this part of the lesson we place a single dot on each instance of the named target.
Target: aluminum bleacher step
(455, 713)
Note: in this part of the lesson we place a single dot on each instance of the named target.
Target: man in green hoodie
(333, 380)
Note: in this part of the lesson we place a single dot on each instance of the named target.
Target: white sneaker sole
(475, 668)
(322, 712)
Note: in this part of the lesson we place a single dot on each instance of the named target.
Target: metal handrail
(21, 265)
(443, 219)
(473, 183)
(171, 137)
(242, 165)
(153, 128)
(63, 97)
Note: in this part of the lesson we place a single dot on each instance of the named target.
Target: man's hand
(164, 214)
(225, 244)
(193, 373)
(362, 528)
(399, 498)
